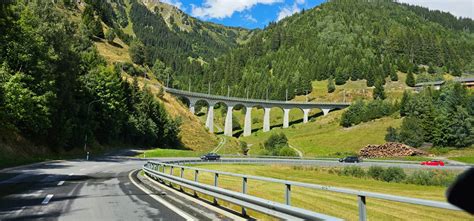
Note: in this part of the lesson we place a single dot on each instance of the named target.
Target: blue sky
(258, 13)
(243, 13)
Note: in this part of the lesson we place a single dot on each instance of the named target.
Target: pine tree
(431, 70)
(410, 81)
(331, 85)
(379, 91)
(404, 103)
(393, 73)
(136, 52)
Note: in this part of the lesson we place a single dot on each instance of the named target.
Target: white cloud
(290, 10)
(250, 18)
(463, 8)
(226, 8)
(176, 3)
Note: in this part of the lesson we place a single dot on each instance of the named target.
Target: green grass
(324, 136)
(335, 204)
(170, 153)
(468, 159)
(465, 155)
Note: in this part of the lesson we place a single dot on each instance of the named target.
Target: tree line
(342, 40)
(55, 88)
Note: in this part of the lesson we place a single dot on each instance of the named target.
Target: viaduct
(231, 102)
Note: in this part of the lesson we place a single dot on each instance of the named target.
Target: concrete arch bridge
(231, 102)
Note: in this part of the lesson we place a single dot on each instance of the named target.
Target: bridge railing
(362, 196)
(219, 97)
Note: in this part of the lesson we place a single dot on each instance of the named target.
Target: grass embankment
(322, 136)
(465, 155)
(325, 137)
(335, 204)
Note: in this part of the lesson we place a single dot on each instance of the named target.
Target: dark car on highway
(211, 156)
(351, 159)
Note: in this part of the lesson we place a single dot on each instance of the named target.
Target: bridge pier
(325, 111)
(192, 104)
(210, 118)
(248, 122)
(286, 118)
(266, 120)
(306, 115)
(228, 121)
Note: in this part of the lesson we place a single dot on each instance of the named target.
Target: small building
(468, 82)
(434, 84)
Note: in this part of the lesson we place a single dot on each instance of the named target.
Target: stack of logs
(389, 150)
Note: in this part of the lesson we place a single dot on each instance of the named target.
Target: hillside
(65, 88)
(344, 40)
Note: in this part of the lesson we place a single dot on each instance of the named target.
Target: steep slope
(344, 40)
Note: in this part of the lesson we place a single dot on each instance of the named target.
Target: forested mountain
(166, 32)
(341, 39)
(55, 88)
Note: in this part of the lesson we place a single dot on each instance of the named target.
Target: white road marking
(71, 174)
(18, 212)
(82, 169)
(61, 183)
(33, 194)
(210, 207)
(47, 199)
(162, 201)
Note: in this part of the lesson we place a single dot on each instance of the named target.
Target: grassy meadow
(335, 204)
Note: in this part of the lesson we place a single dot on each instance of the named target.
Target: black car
(351, 159)
(211, 156)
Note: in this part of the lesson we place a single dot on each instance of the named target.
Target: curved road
(78, 190)
(102, 189)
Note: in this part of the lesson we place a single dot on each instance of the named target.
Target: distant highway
(104, 189)
(321, 162)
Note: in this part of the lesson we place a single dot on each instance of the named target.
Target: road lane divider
(47, 199)
(61, 183)
(161, 200)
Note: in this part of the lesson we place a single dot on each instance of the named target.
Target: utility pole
(228, 91)
(189, 86)
(209, 89)
(168, 80)
(267, 93)
(247, 93)
(286, 95)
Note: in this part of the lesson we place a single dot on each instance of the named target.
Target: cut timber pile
(389, 150)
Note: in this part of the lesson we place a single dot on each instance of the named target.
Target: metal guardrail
(243, 199)
(361, 195)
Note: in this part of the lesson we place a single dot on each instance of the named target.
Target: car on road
(433, 163)
(350, 159)
(211, 156)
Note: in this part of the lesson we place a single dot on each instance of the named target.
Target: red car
(433, 163)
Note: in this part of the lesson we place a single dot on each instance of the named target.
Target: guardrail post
(182, 172)
(244, 191)
(362, 208)
(196, 172)
(171, 171)
(288, 194)
(216, 177)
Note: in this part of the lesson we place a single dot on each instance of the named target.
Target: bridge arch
(249, 104)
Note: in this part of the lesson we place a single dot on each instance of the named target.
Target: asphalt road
(102, 189)
(324, 163)
(99, 189)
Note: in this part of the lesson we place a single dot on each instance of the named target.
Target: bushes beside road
(398, 175)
